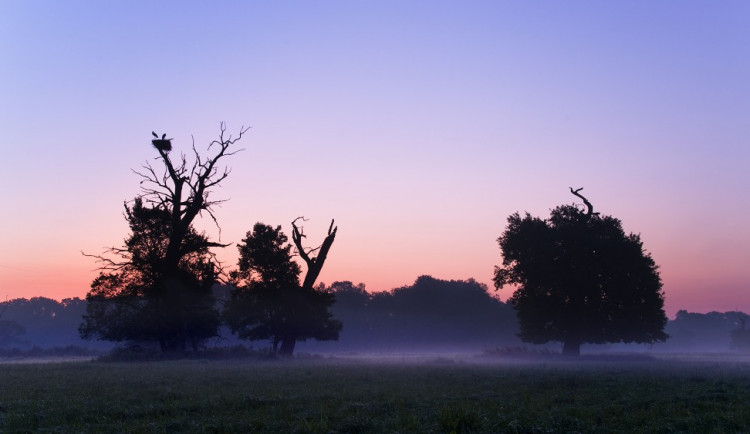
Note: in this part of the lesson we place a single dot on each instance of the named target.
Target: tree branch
(297, 236)
(182, 190)
(314, 264)
(590, 208)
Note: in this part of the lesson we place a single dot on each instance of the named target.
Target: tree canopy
(580, 279)
(269, 302)
(140, 301)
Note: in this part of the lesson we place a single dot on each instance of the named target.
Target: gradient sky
(418, 125)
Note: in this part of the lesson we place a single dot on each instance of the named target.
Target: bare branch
(590, 208)
(109, 264)
(297, 236)
(181, 188)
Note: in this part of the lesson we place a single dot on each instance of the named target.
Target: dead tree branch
(314, 263)
(183, 190)
(590, 208)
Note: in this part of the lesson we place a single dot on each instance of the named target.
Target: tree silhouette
(711, 331)
(10, 330)
(138, 302)
(429, 315)
(580, 279)
(157, 287)
(269, 302)
(444, 314)
(46, 322)
(740, 336)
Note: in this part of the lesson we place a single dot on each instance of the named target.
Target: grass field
(387, 395)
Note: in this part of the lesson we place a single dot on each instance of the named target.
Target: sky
(419, 126)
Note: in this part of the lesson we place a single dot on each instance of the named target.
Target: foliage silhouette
(158, 286)
(429, 315)
(141, 302)
(47, 323)
(712, 331)
(580, 279)
(484, 323)
(269, 302)
(9, 330)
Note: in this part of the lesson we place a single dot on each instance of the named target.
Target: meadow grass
(366, 396)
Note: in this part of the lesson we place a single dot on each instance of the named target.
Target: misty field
(432, 394)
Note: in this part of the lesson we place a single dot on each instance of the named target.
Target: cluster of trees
(429, 315)
(158, 287)
(579, 278)
(42, 322)
(713, 331)
(268, 302)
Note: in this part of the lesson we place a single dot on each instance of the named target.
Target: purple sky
(419, 126)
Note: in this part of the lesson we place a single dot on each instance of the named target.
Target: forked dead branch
(314, 263)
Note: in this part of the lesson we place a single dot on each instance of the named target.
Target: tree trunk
(314, 265)
(287, 347)
(572, 347)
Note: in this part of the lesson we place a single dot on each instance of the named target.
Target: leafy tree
(140, 302)
(157, 287)
(269, 302)
(580, 279)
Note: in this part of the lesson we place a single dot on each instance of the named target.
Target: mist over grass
(428, 394)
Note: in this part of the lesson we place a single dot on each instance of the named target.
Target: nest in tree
(162, 144)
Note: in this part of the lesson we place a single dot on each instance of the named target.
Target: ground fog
(381, 393)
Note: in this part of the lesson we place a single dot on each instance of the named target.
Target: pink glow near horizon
(418, 127)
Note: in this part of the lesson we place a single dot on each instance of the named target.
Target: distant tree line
(429, 315)
(713, 331)
(43, 322)
(158, 286)
(378, 322)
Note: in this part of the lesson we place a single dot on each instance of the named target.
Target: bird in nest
(164, 144)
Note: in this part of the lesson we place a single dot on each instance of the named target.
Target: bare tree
(185, 189)
(158, 285)
(181, 189)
